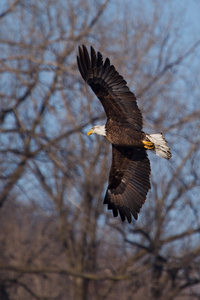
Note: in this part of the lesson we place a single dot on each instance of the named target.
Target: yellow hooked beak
(90, 132)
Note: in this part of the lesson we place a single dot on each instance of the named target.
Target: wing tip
(123, 211)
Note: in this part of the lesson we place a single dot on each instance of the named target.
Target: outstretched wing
(118, 101)
(128, 182)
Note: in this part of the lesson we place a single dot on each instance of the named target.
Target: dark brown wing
(118, 101)
(128, 182)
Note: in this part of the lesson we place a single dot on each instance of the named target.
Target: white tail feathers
(161, 147)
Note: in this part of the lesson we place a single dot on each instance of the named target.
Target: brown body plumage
(130, 171)
(131, 137)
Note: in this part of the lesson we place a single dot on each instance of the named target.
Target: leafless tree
(57, 240)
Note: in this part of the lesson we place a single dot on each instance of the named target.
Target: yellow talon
(148, 145)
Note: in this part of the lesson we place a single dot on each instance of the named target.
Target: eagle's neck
(99, 129)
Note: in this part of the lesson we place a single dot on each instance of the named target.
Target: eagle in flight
(129, 179)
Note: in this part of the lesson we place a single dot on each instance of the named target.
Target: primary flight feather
(129, 179)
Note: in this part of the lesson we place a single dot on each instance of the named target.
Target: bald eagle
(129, 179)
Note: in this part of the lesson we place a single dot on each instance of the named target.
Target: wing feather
(93, 57)
(110, 87)
(128, 181)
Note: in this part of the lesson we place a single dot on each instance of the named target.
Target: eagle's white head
(98, 129)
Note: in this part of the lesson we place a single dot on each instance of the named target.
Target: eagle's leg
(148, 145)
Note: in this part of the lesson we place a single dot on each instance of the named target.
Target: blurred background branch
(57, 239)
